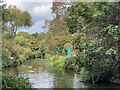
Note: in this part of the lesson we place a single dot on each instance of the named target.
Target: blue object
(57, 50)
(69, 51)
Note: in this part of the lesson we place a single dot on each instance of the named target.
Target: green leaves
(12, 81)
(97, 13)
(20, 40)
(74, 26)
(111, 51)
(114, 31)
(99, 49)
(16, 18)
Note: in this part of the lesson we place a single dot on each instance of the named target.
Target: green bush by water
(84, 75)
(59, 62)
(72, 63)
(51, 57)
(15, 82)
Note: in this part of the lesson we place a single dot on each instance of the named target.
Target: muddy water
(42, 75)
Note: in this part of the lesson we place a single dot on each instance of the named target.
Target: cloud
(35, 28)
(38, 10)
(42, 11)
(12, 2)
(35, 8)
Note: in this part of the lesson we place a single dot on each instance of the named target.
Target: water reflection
(44, 76)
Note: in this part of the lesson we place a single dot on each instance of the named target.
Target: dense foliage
(98, 41)
(15, 82)
(19, 46)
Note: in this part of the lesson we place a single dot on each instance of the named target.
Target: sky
(39, 10)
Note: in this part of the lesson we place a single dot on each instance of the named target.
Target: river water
(42, 75)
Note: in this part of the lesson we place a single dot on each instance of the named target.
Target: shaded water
(42, 75)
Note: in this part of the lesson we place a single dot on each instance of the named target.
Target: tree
(60, 9)
(58, 33)
(98, 39)
(41, 36)
(16, 19)
(42, 48)
(35, 35)
(24, 34)
(34, 44)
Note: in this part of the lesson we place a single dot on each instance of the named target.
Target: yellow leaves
(21, 32)
(34, 44)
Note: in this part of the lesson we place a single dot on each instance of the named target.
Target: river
(42, 75)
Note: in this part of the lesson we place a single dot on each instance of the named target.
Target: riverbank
(42, 75)
(76, 64)
(70, 63)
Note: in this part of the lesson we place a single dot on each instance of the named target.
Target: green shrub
(60, 62)
(6, 63)
(21, 59)
(99, 71)
(38, 54)
(85, 75)
(52, 58)
(21, 41)
(72, 63)
(30, 55)
(15, 82)
(47, 56)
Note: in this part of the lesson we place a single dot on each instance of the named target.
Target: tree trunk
(119, 43)
(14, 53)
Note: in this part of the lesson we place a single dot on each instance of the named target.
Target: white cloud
(42, 11)
(36, 9)
(12, 2)
(35, 28)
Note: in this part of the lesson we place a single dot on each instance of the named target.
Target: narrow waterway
(42, 75)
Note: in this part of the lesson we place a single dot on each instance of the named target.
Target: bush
(52, 58)
(60, 62)
(85, 75)
(30, 55)
(6, 63)
(72, 63)
(21, 59)
(98, 66)
(99, 71)
(38, 54)
(15, 82)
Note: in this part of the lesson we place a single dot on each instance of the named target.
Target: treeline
(94, 32)
(28, 47)
(21, 46)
